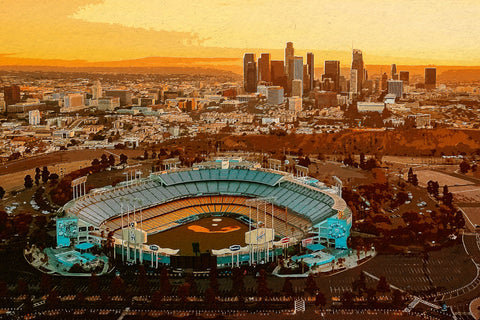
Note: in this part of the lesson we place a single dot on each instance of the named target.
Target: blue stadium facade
(329, 217)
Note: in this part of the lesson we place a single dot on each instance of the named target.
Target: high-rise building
(96, 90)
(430, 78)
(73, 100)
(124, 95)
(384, 81)
(395, 87)
(11, 94)
(289, 54)
(264, 67)
(394, 71)
(298, 68)
(353, 80)
(311, 70)
(297, 88)
(277, 71)
(332, 71)
(306, 79)
(357, 64)
(405, 77)
(249, 72)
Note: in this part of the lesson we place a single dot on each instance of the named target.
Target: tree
(183, 292)
(288, 288)
(52, 299)
(310, 285)
(123, 159)
(347, 299)
(371, 296)
(210, 299)
(262, 287)
(320, 299)
(111, 160)
(45, 283)
(54, 177)
(165, 286)
(104, 160)
(447, 196)
(45, 174)
(95, 162)
(156, 299)
(93, 284)
(28, 183)
(464, 166)
(433, 188)
(382, 285)
(213, 280)
(2, 193)
(410, 175)
(238, 284)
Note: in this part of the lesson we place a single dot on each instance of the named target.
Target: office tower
(311, 69)
(73, 100)
(96, 90)
(264, 67)
(395, 87)
(249, 67)
(430, 78)
(357, 64)
(124, 95)
(306, 79)
(298, 68)
(405, 77)
(377, 85)
(332, 71)
(289, 53)
(384, 81)
(394, 70)
(354, 81)
(11, 94)
(277, 70)
(297, 88)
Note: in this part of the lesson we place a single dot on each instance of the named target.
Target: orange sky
(388, 31)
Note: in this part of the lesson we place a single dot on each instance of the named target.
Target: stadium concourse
(279, 208)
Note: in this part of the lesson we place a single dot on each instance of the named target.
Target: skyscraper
(11, 94)
(430, 78)
(277, 72)
(297, 88)
(289, 54)
(249, 72)
(311, 70)
(298, 68)
(357, 64)
(395, 87)
(96, 90)
(394, 71)
(354, 80)
(384, 81)
(332, 71)
(405, 77)
(264, 67)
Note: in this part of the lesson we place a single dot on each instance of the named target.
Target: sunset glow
(409, 32)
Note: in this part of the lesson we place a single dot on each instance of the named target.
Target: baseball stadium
(226, 212)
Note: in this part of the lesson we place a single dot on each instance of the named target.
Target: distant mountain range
(232, 66)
